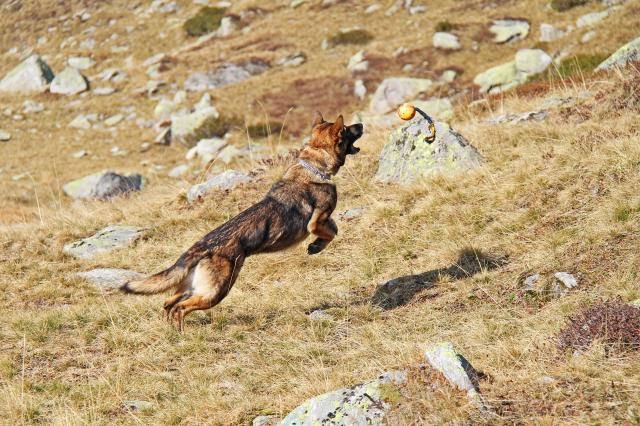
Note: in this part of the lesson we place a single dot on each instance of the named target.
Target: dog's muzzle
(352, 134)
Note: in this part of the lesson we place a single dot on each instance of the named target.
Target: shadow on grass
(400, 291)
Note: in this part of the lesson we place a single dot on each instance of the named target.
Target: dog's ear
(338, 125)
(317, 119)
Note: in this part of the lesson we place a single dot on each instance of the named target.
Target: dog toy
(408, 111)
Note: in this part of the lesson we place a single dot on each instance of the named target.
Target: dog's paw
(315, 247)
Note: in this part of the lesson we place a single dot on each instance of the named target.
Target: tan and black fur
(297, 205)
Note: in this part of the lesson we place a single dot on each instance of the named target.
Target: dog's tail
(162, 281)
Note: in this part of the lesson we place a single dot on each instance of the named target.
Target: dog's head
(330, 143)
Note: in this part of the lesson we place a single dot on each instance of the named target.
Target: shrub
(205, 21)
(562, 5)
(445, 26)
(615, 324)
(351, 37)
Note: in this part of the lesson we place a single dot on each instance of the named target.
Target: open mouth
(353, 133)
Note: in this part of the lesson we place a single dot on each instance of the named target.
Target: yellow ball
(406, 111)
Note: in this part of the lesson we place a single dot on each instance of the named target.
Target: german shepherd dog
(297, 205)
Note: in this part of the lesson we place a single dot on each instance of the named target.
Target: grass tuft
(564, 5)
(205, 21)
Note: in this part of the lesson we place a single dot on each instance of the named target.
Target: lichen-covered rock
(225, 181)
(32, 75)
(190, 128)
(360, 405)
(446, 41)
(393, 91)
(564, 282)
(109, 278)
(508, 30)
(206, 149)
(630, 52)
(590, 19)
(407, 157)
(103, 185)
(4, 136)
(498, 78)
(224, 75)
(69, 82)
(106, 240)
(550, 33)
(532, 61)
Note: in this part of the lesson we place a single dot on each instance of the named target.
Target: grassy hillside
(556, 195)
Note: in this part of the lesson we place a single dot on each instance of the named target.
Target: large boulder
(103, 185)
(408, 157)
(446, 41)
(364, 404)
(69, 82)
(111, 238)
(32, 75)
(509, 30)
(498, 79)
(532, 61)
(200, 124)
(393, 91)
(630, 52)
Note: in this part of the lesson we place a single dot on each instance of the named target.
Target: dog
(299, 204)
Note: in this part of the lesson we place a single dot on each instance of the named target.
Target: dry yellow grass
(557, 195)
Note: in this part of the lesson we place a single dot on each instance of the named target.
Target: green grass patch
(357, 36)
(571, 66)
(624, 212)
(205, 21)
(562, 5)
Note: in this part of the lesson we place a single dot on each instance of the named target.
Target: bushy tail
(162, 281)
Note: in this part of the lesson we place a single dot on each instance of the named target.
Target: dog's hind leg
(212, 280)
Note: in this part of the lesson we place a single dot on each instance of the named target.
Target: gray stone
(515, 118)
(228, 26)
(590, 19)
(394, 91)
(457, 370)
(446, 41)
(230, 153)
(630, 52)
(357, 63)
(498, 78)
(69, 82)
(114, 120)
(407, 157)
(32, 75)
(530, 283)
(178, 171)
(363, 404)
(359, 89)
(190, 128)
(104, 91)
(351, 214)
(225, 181)
(202, 104)
(293, 60)
(588, 36)
(81, 62)
(564, 282)
(532, 61)
(509, 30)
(31, 107)
(106, 240)
(448, 76)
(4, 136)
(137, 405)
(550, 33)
(265, 421)
(206, 149)
(320, 315)
(109, 278)
(80, 122)
(224, 75)
(103, 185)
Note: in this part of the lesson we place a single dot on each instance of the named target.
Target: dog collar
(319, 173)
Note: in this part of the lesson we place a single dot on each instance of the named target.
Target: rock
(357, 63)
(351, 214)
(359, 89)
(364, 404)
(530, 283)
(206, 149)
(104, 91)
(69, 82)
(164, 109)
(296, 3)
(515, 118)
(437, 108)
(106, 240)
(564, 282)
(446, 41)
(630, 52)
(155, 59)
(178, 171)
(407, 157)
(32, 75)
(635, 303)
(509, 30)
(202, 104)
(550, 33)
(230, 153)
(224, 75)
(80, 62)
(225, 181)
(108, 278)
(4, 136)
(136, 405)
(372, 8)
(265, 421)
(103, 185)
(555, 102)
(392, 92)
(456, 369)
(588, 36)
(30, 107)
(532, 61)
(448, 76)
(80, 154)
(190, 128)
(80, 122)
(590, 19)
(114, 120)
(293, 60)
(228, 26)
(164, 137)
(498, 79)
(320, 315)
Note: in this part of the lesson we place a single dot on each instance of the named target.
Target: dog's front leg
(322, 226)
